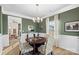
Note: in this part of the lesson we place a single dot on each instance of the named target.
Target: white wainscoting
(5, 40)
(1, 44)
(69, 42)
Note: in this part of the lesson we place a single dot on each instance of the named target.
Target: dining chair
(42, 34)
(47, 49)
(30, 34)
(25, 48)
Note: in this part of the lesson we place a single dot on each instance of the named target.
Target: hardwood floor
(12, 49)
(56, 51)
(60, 51)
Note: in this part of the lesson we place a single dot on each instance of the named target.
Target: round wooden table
(36, 42)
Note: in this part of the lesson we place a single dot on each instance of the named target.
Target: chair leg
(51, 53)
(20, 53)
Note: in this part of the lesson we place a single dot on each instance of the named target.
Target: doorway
(14, 30)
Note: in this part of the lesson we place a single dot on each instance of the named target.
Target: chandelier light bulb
(33, 19)
(38, 18)
(41, 19)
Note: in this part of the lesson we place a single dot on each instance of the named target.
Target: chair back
(49, 44)
(42, 34)
(30, 34)
(23, 47)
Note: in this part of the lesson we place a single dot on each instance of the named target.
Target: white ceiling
(32, 10)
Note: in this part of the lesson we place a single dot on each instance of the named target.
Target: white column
(56, 33)
(47, 25)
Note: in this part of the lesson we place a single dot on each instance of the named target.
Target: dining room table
(36, 42)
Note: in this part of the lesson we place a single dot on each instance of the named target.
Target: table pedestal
(35, 48)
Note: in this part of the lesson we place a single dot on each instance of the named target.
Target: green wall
(0, 19)
(41, 27)
(5, 24)
(71, 15)
(25, 23)
(51, 18)
(37, 27)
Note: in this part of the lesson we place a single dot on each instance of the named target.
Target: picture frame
(72, 26)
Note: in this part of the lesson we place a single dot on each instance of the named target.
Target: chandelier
(37, 19)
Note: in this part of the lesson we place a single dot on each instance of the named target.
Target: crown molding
(52, 14)
(63, 10)
(15, 14)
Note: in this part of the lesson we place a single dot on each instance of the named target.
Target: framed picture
(72, 26)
